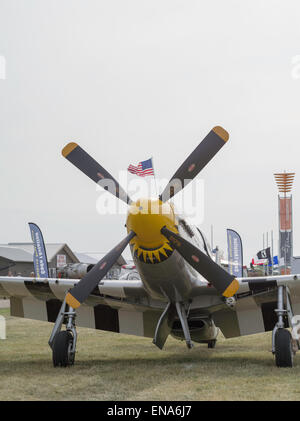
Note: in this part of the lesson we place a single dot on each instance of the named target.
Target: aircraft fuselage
(165, 274)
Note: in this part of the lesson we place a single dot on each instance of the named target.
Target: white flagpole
(272, 252)
(154, 175)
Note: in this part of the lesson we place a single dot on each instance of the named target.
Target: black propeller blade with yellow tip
(85, 163)
(77, 295)
(224, 283)
(196, 161)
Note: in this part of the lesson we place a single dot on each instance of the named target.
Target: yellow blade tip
(221, 133)
(68, 149)
(72, 301)
(231, 289)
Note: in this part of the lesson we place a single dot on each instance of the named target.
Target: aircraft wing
(256, 300)
(125, 307)
(116, 306)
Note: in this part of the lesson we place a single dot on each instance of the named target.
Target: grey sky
(130, 79)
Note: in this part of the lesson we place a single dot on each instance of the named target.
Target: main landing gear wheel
(62, 347)
(283, 348)
(63, 343)
(212, 343)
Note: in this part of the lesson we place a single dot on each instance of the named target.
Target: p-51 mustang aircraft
(182, 291)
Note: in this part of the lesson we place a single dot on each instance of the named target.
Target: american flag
(143, 168)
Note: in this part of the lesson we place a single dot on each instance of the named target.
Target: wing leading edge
(115, 306)
(256, 302)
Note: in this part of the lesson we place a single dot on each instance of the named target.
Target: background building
(20, 255)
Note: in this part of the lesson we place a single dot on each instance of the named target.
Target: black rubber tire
(283, 348)
(212, 343)
(60, 355)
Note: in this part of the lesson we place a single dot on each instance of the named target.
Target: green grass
(111, 366)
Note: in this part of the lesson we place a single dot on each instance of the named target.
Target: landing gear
(212, 343)
(61, 351)
(63, 343)
(165, 323)
(284, 346)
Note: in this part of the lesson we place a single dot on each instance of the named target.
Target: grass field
(111, 366)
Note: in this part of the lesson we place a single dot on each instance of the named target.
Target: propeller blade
(224, 283)
(78, 294)
(85, 163)
(197, 160)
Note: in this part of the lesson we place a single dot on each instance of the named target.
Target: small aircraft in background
(181, 292)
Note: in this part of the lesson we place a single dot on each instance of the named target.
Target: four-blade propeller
(226, 284)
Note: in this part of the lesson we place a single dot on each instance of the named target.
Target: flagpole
(154, 176)
(267, 247)
(272, 254)
(264, 267)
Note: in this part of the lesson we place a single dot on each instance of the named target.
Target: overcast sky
(132, 79)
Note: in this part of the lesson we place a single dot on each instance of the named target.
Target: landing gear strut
(212, 343)
(63, 343)
(284, 345)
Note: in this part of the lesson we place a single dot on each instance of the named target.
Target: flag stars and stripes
(143, 168)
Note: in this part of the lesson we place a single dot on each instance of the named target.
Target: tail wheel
(62, 346)
(283, 348)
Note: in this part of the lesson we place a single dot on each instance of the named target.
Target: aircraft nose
(146, 217)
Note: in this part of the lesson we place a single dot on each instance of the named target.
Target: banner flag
(265, 254)
(265, 261)
(39, 255)
(235, 253)
(275, 261)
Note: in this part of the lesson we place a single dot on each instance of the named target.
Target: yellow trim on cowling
(149, 255)
(156, 254)
(68, 148)
(167, 246)
(231, 289)
(145, 254)
(72, 301)
(163, 251)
